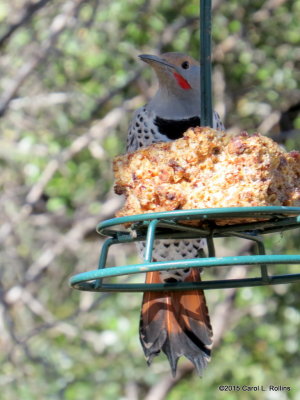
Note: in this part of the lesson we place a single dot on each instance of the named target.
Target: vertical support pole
(206, 116)
(211, 246)
(263, 268)
(102, 259)
(150, 240)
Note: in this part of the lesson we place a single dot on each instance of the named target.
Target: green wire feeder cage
(164, 225)
(148, 227)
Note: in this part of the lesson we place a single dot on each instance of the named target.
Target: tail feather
(176, 323)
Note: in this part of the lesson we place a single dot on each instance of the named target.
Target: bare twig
(224, 47)
(98, 131)
(113, 92)
(216, 4)
(165, 385)
(41, 101)
(269, 122)
(60, 22)
(170, 31)
(29, 10)
(265, 11)
(131, 391)
(72, 238)
(219, 87)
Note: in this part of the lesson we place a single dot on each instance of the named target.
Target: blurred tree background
(70, 79)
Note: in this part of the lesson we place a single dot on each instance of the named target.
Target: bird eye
(185, 65)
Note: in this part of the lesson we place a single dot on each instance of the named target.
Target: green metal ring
(205, 214)
(149, 227)
(88, 280)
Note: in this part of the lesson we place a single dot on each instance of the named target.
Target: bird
(174, 322)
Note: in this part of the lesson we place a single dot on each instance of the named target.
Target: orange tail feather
(176, 323)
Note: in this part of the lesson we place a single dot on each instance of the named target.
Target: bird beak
(152, 60)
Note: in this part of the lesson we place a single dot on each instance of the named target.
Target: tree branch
(28, 12)
(58, 25)
(98, 131)
(71, 239)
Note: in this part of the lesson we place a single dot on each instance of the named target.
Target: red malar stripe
(182, 82)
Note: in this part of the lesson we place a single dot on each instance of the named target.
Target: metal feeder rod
(206, 114)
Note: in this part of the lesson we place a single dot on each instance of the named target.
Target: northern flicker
(176, 323)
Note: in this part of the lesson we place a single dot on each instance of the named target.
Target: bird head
(179, 84)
